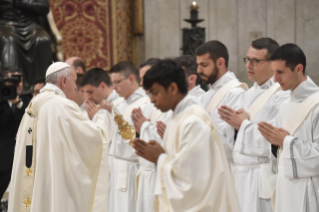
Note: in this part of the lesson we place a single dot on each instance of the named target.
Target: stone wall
(235, 23)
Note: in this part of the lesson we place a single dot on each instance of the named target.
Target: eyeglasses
(117, 82)
(254, 62)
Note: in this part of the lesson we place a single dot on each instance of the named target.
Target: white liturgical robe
(71, 157)
(252, 149)
(232, 99)
(297, 187)
(124, 161)
(197, 92)
(146, 175)
(193, 173)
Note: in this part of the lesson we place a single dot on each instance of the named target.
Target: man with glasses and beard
(225, 89)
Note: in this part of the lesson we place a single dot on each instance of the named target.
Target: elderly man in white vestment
(251, 151)
(148, 130)
(61, 157)
(296, 135)
(225, 89)
(192, 170)
(124, 162)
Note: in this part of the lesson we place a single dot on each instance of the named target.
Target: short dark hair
(165, 73)
(188, 63)
(292, 55)
(79, 63)
(150, 62)
(266, 43)
(79, 80)
(95, 76)
(11, 70)
(126, 68)
(216, 49)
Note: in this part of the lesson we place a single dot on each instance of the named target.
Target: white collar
(136, 95)
(52, 88)
(266, 84)
(186, 102)
(227, 77)
(303, 90)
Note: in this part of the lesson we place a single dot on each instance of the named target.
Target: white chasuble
(70, 157)
(146, 175)
(232, 98)
(193, 174)
(124, 161)
(297, 186)
(251, 150)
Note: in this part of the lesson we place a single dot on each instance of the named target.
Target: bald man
(76, 64)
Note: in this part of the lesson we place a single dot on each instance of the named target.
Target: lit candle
(194, 6)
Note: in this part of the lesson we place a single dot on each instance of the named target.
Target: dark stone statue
(192, 39)
(24, 43)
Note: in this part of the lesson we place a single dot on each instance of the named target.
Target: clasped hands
(235, 118)
(149, 150)
(138, 119)
(92, 108)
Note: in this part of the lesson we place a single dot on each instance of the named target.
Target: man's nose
(249, 65)
(199, 70)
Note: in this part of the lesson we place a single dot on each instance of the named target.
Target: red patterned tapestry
(98, 31)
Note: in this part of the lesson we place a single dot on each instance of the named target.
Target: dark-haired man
(124, 163)
(144, 67)
(38, 85)
(225, 89)
(78, 95)
(97, 85)
(192, 169)
(296, 134)
(149, 130)
(188, 63)
(251, 151)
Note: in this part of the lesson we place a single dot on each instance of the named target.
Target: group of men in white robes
(228, 149)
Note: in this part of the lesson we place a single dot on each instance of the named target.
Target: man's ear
(79, 70)
(131, 79)
(173, 88)
(220, 62)
(64, 79)
(102, 85)
(192, 78)
(299, 69)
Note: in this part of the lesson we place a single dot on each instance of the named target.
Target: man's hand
(161, 127)
(138, 119)
(16, 100)
(91, 108)
(232, 117)
(272, 134)
(106, 105)
(150, 151)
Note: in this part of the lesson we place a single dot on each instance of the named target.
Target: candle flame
(194, 3)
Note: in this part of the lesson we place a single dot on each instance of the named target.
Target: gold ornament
(126, 131)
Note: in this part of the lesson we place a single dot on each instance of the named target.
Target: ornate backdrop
(98, 31)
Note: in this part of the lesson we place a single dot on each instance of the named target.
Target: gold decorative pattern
(29, 174)
(98, 31)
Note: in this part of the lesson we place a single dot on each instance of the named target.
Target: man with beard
(225, 89)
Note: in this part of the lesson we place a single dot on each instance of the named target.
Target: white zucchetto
(55, 67)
